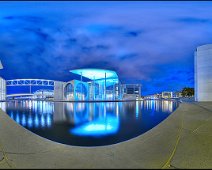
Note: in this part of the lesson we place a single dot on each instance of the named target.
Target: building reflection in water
(159, 105)
(31, 114)
(95, 118)
(3, 106)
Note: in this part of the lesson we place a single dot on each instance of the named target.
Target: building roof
(95, 74)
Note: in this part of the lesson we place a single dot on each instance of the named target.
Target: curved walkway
(183, 140)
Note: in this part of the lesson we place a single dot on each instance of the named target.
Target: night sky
(151, 43)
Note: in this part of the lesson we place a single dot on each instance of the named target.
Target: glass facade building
(100, 84)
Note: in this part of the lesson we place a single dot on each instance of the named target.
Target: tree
(188, 92)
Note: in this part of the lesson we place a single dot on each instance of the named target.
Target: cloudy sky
(151, 43)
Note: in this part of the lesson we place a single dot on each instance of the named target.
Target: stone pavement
(183, 140)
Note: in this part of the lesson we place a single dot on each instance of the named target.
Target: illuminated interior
(98, 127)
(103, 85)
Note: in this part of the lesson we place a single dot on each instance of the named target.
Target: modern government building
(91, 85)
(94, 85)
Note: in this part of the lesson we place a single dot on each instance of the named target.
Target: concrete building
(97, 84)
(177, 94)
(59, 90)
(2, 89)
(131, 91)
(153, 96)
(203, 73)
(2, 86)
(167, 95)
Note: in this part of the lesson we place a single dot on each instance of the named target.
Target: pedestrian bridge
(30, 82)
(42, 93)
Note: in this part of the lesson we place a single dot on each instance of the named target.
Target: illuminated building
(203, 73)
(98, 84)
(2, 86)
(92, 85)
(131, 91)
(153, 96)
(167, 95)
(2, 89)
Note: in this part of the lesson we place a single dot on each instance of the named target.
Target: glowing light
(48, 120)
(36, 121)
(137, 109)
(42, 121)
(17, 118)
(30, 121)
(98, 127)
(97, 73)
(11, 115)
(23, 120)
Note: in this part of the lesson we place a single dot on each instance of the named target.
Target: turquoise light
(95, 74)
(99, 127)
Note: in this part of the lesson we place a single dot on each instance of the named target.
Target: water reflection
(43, 114)
(30, 113)
(119, 120)
(100, 126)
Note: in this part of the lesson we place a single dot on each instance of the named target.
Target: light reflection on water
(89, 124)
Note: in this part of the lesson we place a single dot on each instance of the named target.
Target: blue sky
(151, 43)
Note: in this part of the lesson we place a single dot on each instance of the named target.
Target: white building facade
(2, 89)
(203, 73)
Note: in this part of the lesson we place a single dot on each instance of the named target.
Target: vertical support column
(74, 85)
(113, 90)
(94, 89)
(30, 88)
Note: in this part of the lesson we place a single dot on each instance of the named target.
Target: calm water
(89, 124)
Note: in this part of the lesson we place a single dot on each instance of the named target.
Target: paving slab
(194, 151)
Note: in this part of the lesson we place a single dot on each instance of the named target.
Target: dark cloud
(130, 56)
(32, 19)
(133, 33)
(192, 20)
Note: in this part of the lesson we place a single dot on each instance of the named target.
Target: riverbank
(183, 140)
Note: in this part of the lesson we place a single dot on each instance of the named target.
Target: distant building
(164, 95)
(153, 96)
(167, 95)
(44, 94)
(131, 91)
(177, 94)
(2, 86)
